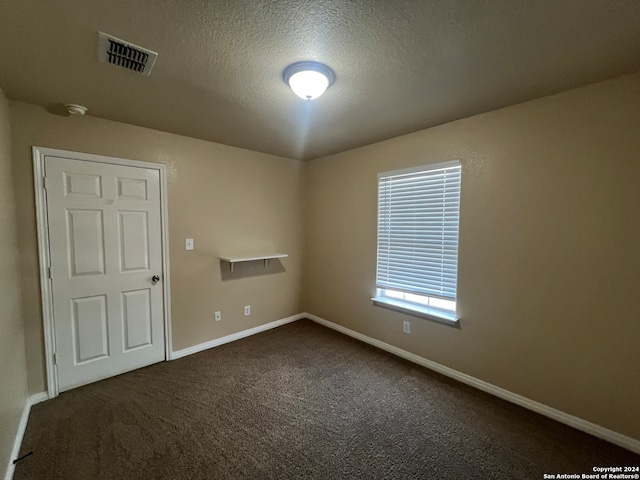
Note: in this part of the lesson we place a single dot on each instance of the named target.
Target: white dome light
(308, 85)
(308, 80)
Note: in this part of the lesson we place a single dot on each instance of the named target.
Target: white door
(105, 249)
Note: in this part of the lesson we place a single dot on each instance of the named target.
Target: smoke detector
(124, 54)
(75, 109)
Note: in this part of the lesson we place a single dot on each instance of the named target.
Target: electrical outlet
(247, 310)
(217, 316)
(406, 327)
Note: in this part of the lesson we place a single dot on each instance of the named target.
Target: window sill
(417, 310)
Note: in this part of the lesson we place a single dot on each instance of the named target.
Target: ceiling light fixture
(308, 80)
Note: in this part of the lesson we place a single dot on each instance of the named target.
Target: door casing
(39, 154)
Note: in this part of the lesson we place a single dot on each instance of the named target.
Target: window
(418, 219)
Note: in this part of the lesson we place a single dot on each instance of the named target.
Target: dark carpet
(297, 402)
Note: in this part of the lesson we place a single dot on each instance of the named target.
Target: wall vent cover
(125, 54)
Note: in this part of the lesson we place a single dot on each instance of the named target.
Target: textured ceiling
(400, 66)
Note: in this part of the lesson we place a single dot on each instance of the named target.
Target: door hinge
(55, 358)
(49, 272)
(46, 182)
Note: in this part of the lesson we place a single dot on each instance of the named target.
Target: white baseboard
(17, 443)
(38, 397)
(234, 336)
(22, 426)
(562, 417)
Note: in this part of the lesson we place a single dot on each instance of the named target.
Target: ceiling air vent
(125, 54)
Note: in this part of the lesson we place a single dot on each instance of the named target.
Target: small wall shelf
(266, 257)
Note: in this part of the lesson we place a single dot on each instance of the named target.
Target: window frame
(446, 316)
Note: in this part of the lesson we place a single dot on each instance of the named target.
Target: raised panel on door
(90, 329)
(134, 241)
(136, 318)
(82, 185)
(132, 188)
(85, 237)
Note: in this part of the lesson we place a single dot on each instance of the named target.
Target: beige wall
(13, 371)
(549, 260)
(227, 199)
(549, 281)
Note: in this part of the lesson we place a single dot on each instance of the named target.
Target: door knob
(155, 279)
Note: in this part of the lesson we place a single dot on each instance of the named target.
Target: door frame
(39, 154)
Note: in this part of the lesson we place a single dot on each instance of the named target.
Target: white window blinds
(418, 219)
